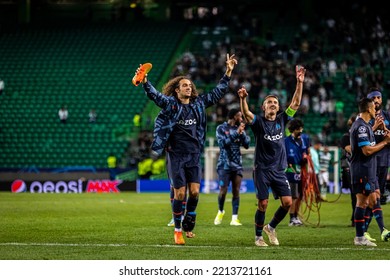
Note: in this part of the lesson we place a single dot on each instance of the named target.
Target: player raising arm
(180, 130)
(270, 156)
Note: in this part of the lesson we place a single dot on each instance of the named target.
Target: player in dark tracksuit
(180, 130)
(297, 148)
(270, 156)
(363, 169)
(230, 137)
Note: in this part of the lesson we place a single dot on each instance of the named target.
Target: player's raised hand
(242, 93)
(231, 61)
(300, 73)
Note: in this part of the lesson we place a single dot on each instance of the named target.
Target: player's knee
(286, 202)
(222, 191)
(262, 205)
(194, 194)
(180, 196)
(362, 204)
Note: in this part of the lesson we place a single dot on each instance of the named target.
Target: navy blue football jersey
(362, 166)
(270, 146)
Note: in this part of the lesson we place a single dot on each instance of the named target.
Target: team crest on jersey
(362, 129)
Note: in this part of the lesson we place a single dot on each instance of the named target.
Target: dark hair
(351, 119)
(373, 89)
(294, 124)
(232, 113)
(364, 104)
(169, 88)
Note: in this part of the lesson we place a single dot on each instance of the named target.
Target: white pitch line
(193, 246)
(62, 244)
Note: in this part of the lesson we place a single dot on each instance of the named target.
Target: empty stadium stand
(81, 67)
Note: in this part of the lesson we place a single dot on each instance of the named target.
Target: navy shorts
(183, 169)
(226, 176)
(270, 179)
(364, 187)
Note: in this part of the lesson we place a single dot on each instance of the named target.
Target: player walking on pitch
(230, 136)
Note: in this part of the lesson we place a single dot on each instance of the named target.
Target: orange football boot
(142, 71)
(179, 239)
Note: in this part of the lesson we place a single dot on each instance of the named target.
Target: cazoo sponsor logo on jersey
(273, 137)
(187, 122)
(379, 132)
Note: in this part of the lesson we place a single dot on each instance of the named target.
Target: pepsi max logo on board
(74, 186)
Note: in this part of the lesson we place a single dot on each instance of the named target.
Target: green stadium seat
(81, 67)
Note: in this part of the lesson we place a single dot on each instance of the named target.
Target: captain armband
(290, 112)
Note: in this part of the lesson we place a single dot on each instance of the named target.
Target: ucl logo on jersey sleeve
(362, 129)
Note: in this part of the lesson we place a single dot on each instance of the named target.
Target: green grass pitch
(131, 226)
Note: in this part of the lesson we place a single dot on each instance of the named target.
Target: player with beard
(363, 169)
(380, 125)
(230, 137)
(270, 156)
